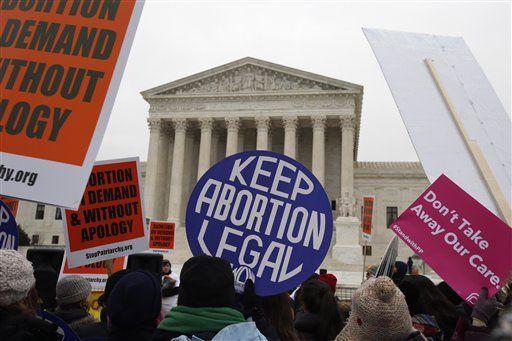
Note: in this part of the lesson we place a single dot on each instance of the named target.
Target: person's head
(379, 312)
(316, 298)
(330, 280)
(109, 286)
(423, 297)
(371, 271)
(166, 266)
(207, 281)
(17, 283)
(135, 301)
(415, 270)
(399, 272)
(279, 312)
(72, 292)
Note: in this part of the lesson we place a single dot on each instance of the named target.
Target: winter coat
(246, 331)
(96, 329)
(185, 323)
(306, 325)
(140, 334)
(428, 325)
(75, 318)
(466, 332)
(17, 327)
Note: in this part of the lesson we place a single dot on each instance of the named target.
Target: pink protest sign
(466, 244)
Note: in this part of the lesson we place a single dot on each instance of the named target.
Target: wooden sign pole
(474, 149)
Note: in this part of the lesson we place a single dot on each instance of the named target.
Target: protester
(478, 327)
(206, 305)
(170, 286)
(399, 272)
(371, 271)
(379, 312)
(279, 313)
(72, 293)
(319, 318)
(18, 301)
(134, 307)
(100, 329)
(415, 270)
(432, 313)
(410, 263)
(330, 280)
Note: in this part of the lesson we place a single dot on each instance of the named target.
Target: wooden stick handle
(475, 151)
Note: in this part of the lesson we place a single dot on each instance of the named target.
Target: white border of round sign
(12, 225)
(310, 250)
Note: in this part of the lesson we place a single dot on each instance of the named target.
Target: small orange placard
(161, 235)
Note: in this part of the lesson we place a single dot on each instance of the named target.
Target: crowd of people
(202, 304)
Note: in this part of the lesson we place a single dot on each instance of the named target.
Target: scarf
(184, 319)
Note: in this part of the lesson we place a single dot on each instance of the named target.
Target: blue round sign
(266, 214)
(8, 228)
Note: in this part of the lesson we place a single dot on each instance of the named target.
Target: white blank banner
(438, 143)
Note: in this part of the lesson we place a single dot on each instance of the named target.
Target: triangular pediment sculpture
(249, 75)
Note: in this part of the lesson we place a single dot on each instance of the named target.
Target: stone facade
(252, 104)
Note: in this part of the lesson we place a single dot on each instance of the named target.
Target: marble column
(290, 124)
(232, 127)
(318, 156)
(160, 209)
(155, 128)
(347, 124)
(241, 137)
(262, 129)
(205, 145)
(178, 158)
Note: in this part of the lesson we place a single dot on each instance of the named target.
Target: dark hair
(423, 297)
(279, 312)
(399, 274)
(449, 293)
(317, 298)
(28, 306)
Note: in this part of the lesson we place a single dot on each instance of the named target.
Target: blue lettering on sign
(263, 211)
(8, 228)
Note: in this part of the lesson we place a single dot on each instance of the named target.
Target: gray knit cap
(379, 312)
(16, 277)
(72, 289)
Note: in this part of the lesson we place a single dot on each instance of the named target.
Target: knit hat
(72, 289)
(135, 300)
(330, 280)
(16, 277)
(379, 312)
(110, 284)
(206, 281)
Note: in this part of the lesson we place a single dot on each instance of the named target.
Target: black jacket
(96, 329)
(75, 318)
(17, 327)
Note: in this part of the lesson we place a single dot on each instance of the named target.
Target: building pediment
(248, 76)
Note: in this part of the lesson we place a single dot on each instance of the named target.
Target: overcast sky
(178, 39)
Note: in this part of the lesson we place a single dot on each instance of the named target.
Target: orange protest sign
(110, 221)
(161, 236)
(61, 66)
(95, 273)
(367, 217)
(13, 204)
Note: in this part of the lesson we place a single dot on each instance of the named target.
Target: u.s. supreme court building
(250, 104)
